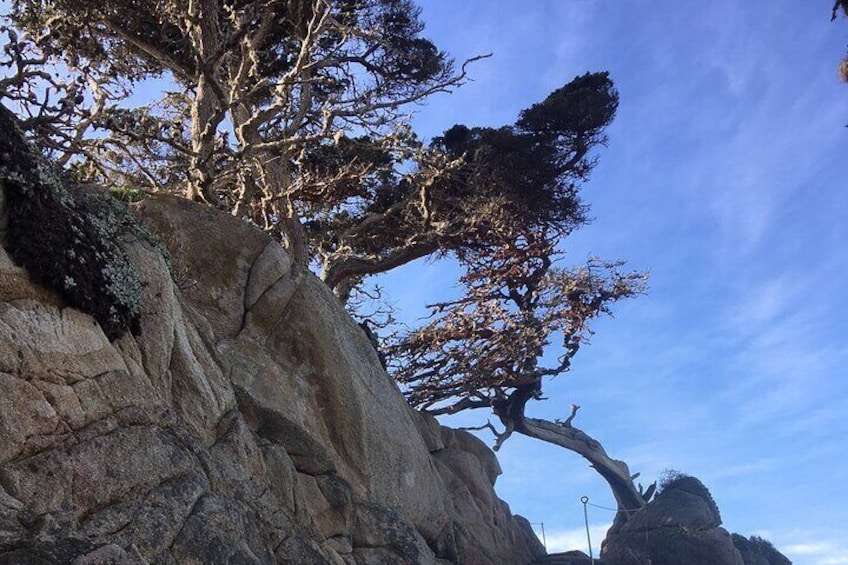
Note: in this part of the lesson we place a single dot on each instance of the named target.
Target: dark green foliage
(70, 243)
(73, 35)
(406, 55)
(581, 108)
(520, 167)
(539, 163)
(403, 57)
(758, 551)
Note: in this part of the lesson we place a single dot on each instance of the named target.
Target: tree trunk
(338, 269)
(615, 472)
(510, 410)
(273, 177)
(205, 111)
(294, 234)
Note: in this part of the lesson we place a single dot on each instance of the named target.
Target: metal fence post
(585, 501)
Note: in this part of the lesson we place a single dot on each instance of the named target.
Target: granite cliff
(245, 419)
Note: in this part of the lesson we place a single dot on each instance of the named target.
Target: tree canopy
(473, 189)
(259, 83)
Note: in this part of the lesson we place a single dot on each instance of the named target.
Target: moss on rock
(68, 242)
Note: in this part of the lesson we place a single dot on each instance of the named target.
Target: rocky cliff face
(250, 421)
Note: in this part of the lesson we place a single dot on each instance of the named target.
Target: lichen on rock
(70, 242)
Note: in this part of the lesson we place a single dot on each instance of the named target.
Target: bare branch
(500, 438)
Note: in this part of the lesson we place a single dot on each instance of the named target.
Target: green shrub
(68, 242)
(669, 477)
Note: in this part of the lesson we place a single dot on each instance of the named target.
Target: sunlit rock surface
(250, 421)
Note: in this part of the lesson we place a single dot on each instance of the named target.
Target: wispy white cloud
(754, 172)
(784, 348)
(763, 303)
(746, 111)
(822, 552)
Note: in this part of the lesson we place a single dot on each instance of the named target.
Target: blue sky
(725, 177)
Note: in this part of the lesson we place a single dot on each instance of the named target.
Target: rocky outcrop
(681, 525)
(249, 421)
(757, 551)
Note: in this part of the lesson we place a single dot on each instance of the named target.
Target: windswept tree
(502, 207)
(291, 113)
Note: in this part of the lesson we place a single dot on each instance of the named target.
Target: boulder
(681, 525)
